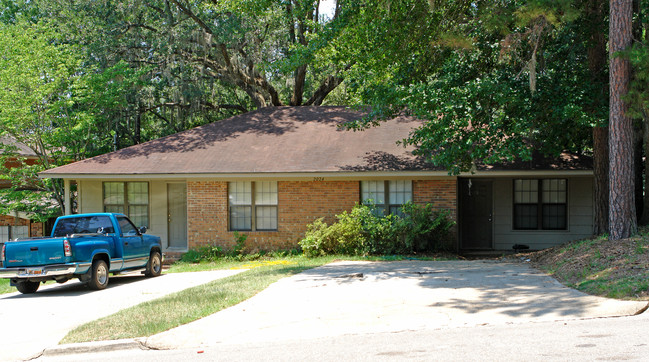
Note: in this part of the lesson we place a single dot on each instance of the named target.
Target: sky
(327, 8)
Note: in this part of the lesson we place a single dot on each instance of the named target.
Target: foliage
(638, 96)
(239, 243)
(423, 229)
(5, 287)
(364, 232)
(37, 98)
(498, 98)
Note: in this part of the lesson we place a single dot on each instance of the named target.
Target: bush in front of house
(364, 231)
(423, 229)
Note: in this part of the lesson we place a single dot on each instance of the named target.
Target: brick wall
(442, 194)
(35, 228)
(6, 220)
(299, 203)
(207, 212)
(302, 202)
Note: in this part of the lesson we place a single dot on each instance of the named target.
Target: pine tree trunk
(600, 169)
(622, 215)
(597, 58)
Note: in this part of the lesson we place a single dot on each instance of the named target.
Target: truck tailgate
(34, 251)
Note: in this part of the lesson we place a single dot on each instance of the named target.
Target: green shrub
(239, 243)
(425, 230)
(315, 242)
(363, 231)
(343, 237)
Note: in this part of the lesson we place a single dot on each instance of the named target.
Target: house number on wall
(318, 179)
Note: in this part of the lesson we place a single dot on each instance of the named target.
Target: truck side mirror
(143, 229)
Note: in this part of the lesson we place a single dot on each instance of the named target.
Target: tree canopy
(494, 80)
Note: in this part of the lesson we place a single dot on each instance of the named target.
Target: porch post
(66, 197)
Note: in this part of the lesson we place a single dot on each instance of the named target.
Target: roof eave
(317, 175)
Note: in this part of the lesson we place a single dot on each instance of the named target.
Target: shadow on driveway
(33, 322)
(74, 288)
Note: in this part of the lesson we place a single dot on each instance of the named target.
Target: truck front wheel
(154, 266)
(27, 287)
(99, 275)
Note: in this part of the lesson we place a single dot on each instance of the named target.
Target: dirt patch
(615, 269)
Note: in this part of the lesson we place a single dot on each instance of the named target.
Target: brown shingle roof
(285, 140)
(269, 140)
(16, 147)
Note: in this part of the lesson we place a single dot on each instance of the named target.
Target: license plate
(34, 271)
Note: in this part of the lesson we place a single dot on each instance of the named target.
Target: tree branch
(130, 26)
(193, 16)
(328, 84)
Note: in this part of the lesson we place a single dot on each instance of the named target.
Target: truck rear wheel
(27, 287)
(154, 265)
(98, 275)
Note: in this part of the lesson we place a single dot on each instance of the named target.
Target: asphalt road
(33, 322)
(348, 310)
(600, 339)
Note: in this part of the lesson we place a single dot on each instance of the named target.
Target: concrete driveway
(369, 297)
(32, 323)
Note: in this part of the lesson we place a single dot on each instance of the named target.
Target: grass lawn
(5, 288)
(614, 269)
(179, 308)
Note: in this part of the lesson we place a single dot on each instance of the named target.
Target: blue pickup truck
(84, 246)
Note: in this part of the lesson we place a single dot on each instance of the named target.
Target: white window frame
(253, 206)
(387, 195)
(127, 206)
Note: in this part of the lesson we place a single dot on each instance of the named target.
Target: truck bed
(34, 251)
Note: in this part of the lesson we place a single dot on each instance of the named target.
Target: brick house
(17, 224)
(270, 172)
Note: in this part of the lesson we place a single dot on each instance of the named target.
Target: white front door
(177, 215)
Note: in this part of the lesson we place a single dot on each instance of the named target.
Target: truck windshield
(83, 225)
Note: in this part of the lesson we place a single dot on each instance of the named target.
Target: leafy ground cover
(613, 269)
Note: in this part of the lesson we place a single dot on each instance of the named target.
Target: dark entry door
(476, 214)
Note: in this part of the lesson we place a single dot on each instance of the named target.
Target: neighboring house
(270, 172)
(17, 224)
